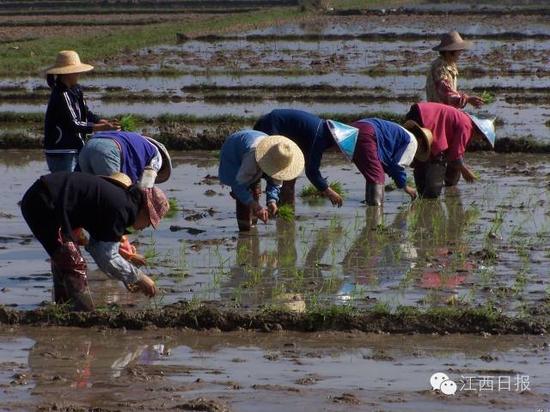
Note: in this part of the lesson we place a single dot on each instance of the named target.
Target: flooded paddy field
(71, 369)
(482, 244)
(443, 286)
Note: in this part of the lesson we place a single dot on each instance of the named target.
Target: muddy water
(433, 253)
(66, 368)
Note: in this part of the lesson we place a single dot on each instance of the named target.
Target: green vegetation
(286, 212)
(29, 57)
(309, 191)
(487, 97)
(128, 123)
(174, 208)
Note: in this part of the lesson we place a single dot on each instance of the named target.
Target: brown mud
(185, 315)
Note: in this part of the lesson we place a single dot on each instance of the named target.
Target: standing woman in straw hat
(441, 81)
(247, 156)
(386, 147)
(68, 118)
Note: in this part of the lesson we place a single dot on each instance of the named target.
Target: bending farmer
(247, 156)
(104, 206)
(452, 130)
(386, 147)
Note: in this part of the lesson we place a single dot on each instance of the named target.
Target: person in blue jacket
(68, 118)
(386, 147)
(247, 156)
(141, 158)
(313, 135)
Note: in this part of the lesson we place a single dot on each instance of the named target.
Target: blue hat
(485, 126)
(345, 136)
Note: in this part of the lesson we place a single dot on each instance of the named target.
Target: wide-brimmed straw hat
(68, 62)
(156, 203)
(452, 42)
(424, 138)
(279, 157)
(486, 126)
(166, 169)
(119, 179)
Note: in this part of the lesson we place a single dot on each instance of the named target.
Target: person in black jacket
(58, 203)
(68, 118)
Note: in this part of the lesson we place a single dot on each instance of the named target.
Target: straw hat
(424, 138)
(451, 42)
(68, 62)
(119, 179)
(156, 203)
(166, 169)
(279, 157)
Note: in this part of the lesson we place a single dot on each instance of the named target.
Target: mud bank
(337, 318)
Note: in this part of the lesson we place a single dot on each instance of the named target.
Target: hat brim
(465, 45)
(264, 160)
(421, 134)
(119, 179)
(76, 68)
(166, 169)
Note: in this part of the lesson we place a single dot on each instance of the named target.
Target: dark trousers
(245, 217)
(430, 176)
(39, 213)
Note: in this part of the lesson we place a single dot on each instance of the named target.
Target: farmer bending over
(104, 206)
(247, 156)
(313, 135)
(452, 130)
(384, 146)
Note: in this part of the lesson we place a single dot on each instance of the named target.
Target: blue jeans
(61, 162)
(100, 157)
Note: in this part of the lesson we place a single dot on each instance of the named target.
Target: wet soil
(68, 369)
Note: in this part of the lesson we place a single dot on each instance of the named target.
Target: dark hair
(51, 79)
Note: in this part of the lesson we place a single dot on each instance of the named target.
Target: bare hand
(272, 209)
(334, 197)
(260, 212)
(138, 260)
(104, 127)
(476, 101)
(467, 174)
(146, 285)
(411, 192)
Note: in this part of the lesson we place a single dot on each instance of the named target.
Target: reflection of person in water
(374, 257)
(82, 361)
(437, 231)
(260, 276)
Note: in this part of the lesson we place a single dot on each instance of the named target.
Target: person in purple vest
(142, 158)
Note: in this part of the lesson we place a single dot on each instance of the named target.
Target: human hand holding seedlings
(467, 174)
(411, 192)
(104, 127)
(334, 197)
(476, 101)
(260, 212)
(272, 208)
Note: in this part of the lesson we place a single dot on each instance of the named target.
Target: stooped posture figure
(104, 206)
(313, 136)
(452, 130)
(68, 118)
(442, 78)
(144, 160)
(247, 156)
(386, 147)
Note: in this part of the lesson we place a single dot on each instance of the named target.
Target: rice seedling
(309, 191)
(174, 208)
(128, 123)
(487, 97)
(286, 212)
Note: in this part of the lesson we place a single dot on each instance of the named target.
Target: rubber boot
(374, 194)
(287, 195)
(59, 292)
(70, 268)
